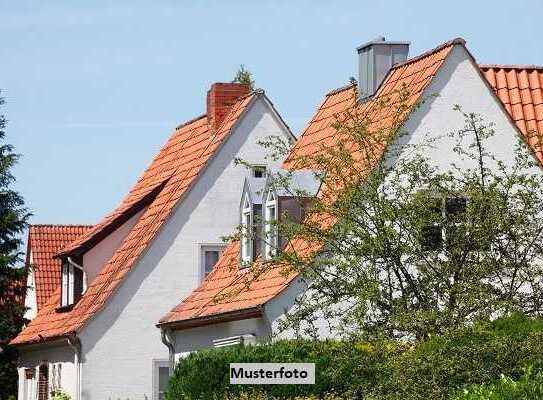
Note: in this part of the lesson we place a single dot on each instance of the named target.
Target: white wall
(62, 354)
(195, 339)
(120, 343)
(95, 258)
(30, 299)
(458, 82)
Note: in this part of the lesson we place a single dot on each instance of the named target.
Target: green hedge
(433, 370)
(529, 387)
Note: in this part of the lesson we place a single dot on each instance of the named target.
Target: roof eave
(237, 315)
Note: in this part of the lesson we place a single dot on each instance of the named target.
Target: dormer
(285, 197)
(250, 218)
(72, 284)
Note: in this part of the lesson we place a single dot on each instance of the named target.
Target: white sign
(272, 374)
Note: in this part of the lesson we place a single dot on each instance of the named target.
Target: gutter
(75, 344)
(253, 312)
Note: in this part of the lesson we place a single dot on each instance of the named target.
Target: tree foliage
(13, 221)
(403, 246)
(244, 76)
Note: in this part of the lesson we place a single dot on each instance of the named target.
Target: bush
(529, 387)
(205, 375)
(435, 369)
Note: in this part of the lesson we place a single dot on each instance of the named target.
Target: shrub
(205, 375)
(529, 387)
(433, 370)
(436, 368)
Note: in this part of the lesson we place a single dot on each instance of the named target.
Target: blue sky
(94, 88)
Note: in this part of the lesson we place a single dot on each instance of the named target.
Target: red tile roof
(230, 289)
(44, 241)
(520, 88)
(170, 175)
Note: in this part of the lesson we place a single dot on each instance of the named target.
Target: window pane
(455, 205)
(210, 259)
(431, 237)
(163, 378)
(259, 172)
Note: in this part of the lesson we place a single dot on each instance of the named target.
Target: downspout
(166, 336)
(75, 344)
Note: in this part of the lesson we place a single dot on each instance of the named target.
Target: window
(56, 370)
(259, 171)
(161, 376)
(449, 209)
(246, 224)
(270, 228)
(209, 255)
(72, 282)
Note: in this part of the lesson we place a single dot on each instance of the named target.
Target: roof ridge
(511, 66)
(190, 121)
(340, 89)
(56, 225)
(457, 40)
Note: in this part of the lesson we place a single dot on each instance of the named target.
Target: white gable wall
(31, 303)
(121, 342)
(457, 82)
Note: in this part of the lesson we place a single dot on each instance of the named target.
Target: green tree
(244, 76)
(394, 246)
(13, 221)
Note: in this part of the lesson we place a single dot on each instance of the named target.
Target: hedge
(433, 370)
(529, 387)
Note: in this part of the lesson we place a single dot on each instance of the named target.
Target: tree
(245, 77)
(13, 221)
(395, 247)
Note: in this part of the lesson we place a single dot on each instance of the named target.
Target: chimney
(220, 98)
(375, 59)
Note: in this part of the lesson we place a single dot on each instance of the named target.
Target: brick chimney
(220, 98)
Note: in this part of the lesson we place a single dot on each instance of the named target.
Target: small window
(72, 282)
(450, 209)
(259, 171)
(161, 376)
(210, 254)
(246, 224)
(270, 229)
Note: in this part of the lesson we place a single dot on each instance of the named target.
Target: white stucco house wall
(140, 259)
(222, 311)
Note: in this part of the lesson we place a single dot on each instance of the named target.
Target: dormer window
(246, 223)
(270, 226)
(72, 282)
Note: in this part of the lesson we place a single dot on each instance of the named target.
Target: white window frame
(67, 284)
(202, 252)
(246, 227)
(159, 363)
(270, 231)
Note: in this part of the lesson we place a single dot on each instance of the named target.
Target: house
(44, 241)
(95, 337)
(231, 306)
